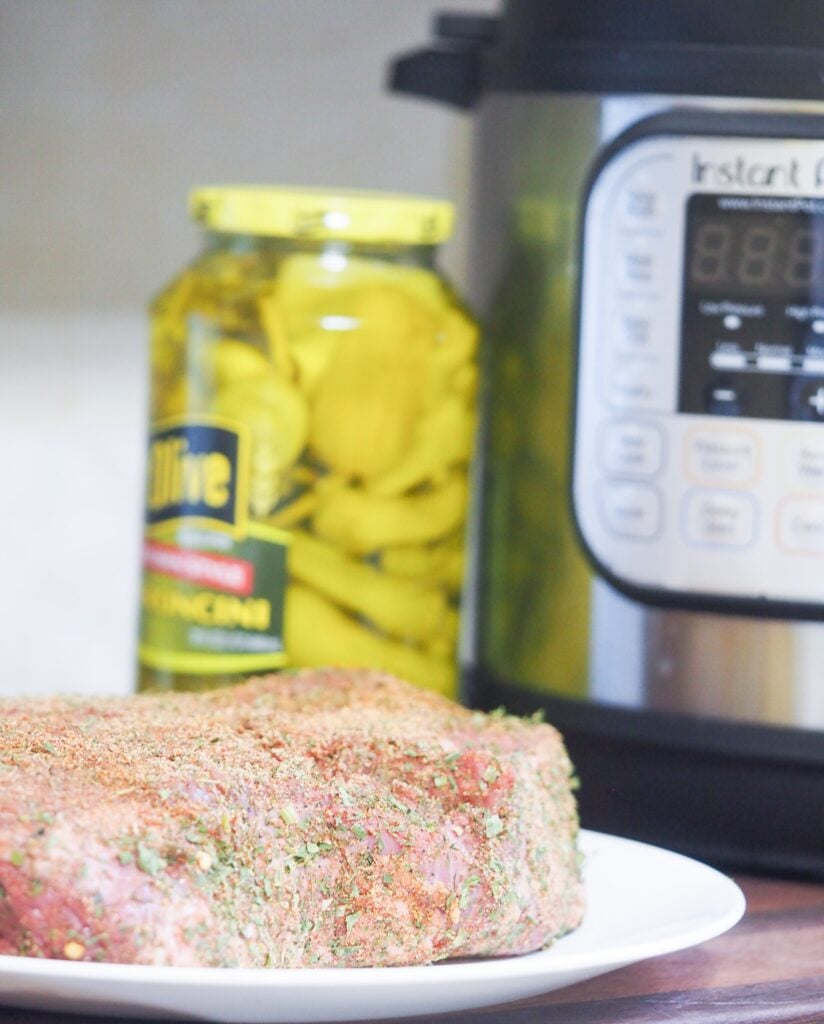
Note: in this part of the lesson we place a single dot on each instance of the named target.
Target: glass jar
(312, 424)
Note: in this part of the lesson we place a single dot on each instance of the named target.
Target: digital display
(752, 325)
(755, 245)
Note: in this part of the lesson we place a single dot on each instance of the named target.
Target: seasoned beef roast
(322, 818)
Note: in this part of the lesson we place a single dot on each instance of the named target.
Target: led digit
(758, 250)
(804, 258)
(710, 258)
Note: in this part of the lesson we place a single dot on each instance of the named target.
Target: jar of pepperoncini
(312, 423)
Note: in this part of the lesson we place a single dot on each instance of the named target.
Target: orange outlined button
(724, 457)
(799, 525)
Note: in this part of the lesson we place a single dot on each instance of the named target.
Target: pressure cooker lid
(757, 48)
(749, 22)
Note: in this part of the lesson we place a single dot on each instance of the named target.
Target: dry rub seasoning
(312, 423)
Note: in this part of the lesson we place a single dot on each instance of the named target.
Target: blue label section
(194, 474)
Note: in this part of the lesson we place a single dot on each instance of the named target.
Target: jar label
(195, 473)
(214, 583)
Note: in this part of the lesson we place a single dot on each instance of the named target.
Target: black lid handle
(450, 70)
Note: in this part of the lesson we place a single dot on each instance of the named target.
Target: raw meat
(329, 817)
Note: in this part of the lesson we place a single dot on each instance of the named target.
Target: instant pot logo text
(193, 473)
(746, 173)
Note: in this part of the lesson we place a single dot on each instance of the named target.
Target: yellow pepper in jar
(314, 362)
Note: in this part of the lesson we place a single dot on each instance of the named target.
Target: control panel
(698, 462)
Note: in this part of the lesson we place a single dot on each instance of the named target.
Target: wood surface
(769, 969)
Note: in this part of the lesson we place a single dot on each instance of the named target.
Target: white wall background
(109, 111)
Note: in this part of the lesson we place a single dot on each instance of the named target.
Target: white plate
(642, 902)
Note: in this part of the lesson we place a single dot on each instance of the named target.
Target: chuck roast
(332, 817)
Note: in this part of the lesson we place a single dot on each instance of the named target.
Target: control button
(728, 359)
(807, 399)
(634, 384)
(722, 456)
(804, 462)
(633, 328)
(719, 518)
(772, 363)
(816, 401)
(641, 203)
(800, 524)
(630, 510)
(628, 446)
(724, 397)
(637, 265)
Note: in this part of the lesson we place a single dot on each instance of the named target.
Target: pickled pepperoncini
(312, 424)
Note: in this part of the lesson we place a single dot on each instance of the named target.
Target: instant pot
(647, 248)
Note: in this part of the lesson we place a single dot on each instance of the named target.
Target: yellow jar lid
(322, 214)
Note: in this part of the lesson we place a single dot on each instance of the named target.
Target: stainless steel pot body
(543, 620)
